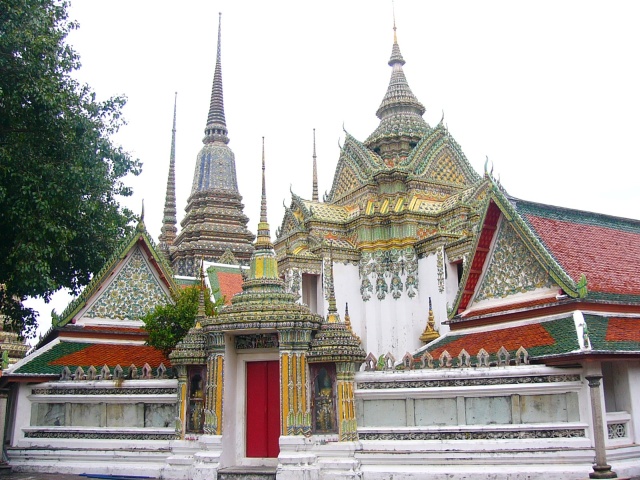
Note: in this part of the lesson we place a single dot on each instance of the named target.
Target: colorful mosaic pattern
(76, 354)
(513, 269)
(130, 295)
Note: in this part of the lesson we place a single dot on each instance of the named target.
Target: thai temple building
(417, 323)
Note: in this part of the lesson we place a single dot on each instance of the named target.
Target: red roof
(608, 257)
(230, 284)
(528, 336)
(114, 354)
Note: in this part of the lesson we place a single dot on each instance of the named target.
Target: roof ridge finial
(141, 227)
(314, 195)
(216, 129)
(169, 220)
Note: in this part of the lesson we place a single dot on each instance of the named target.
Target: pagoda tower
(168, 231)
(214, 222)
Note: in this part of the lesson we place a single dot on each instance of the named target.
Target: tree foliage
(60, 173)
(168, 324)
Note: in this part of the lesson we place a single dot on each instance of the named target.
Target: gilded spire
(216, 129)
(314, 196)
(169, 221)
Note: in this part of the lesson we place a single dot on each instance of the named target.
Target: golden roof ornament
(430, 333)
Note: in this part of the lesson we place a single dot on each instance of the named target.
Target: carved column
(215, 385)
(182, 401)
(600, 469)
(296, 414)
(345, 385)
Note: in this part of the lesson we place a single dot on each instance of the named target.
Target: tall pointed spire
(216, 129)
(400, 113)
(214, 222)
(169, 221)
(314, 195)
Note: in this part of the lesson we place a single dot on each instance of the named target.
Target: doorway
(263, 409)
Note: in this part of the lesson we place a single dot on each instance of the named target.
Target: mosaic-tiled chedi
(214, 220)
(264, 305)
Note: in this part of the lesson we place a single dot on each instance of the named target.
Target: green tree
(168, 324)
(60, 173)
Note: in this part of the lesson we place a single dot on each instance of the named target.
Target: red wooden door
(263, 409)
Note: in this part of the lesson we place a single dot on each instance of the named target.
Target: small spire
(140, 227)
(347, 318)
(263, 202)
(216, 129)
(314, 196)
(201, 308)
(332, 317)
(430, 333)
(264, 234)
(169, 230)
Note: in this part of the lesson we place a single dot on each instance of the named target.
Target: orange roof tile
(114, 354)
(230, 284)
(623, 330)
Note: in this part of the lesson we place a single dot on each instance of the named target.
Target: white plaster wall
(391, 325)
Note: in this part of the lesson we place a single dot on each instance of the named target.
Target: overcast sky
(548, 90)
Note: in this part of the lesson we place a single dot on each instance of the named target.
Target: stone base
(5, 470)
(247, 473)
(602, 471)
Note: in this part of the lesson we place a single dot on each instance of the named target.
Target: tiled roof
(230, 284)
(606, 249)
(77, 354)
(614, 333)
(225, 280)
(539, 339)
(110, 329)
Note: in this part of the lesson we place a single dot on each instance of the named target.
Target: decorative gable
(133, 291)
(444, 168)
(512, 268)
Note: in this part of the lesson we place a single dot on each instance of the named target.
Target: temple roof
(604, 248)
(225, 281)
(547, 251)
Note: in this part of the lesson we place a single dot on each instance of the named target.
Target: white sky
(548, 90)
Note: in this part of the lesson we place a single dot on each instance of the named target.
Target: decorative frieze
(388, 271)
(96, 435)
(469, 382)
(104, 391)
(474, 435)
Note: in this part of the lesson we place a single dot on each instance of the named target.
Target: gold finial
(430, 333)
